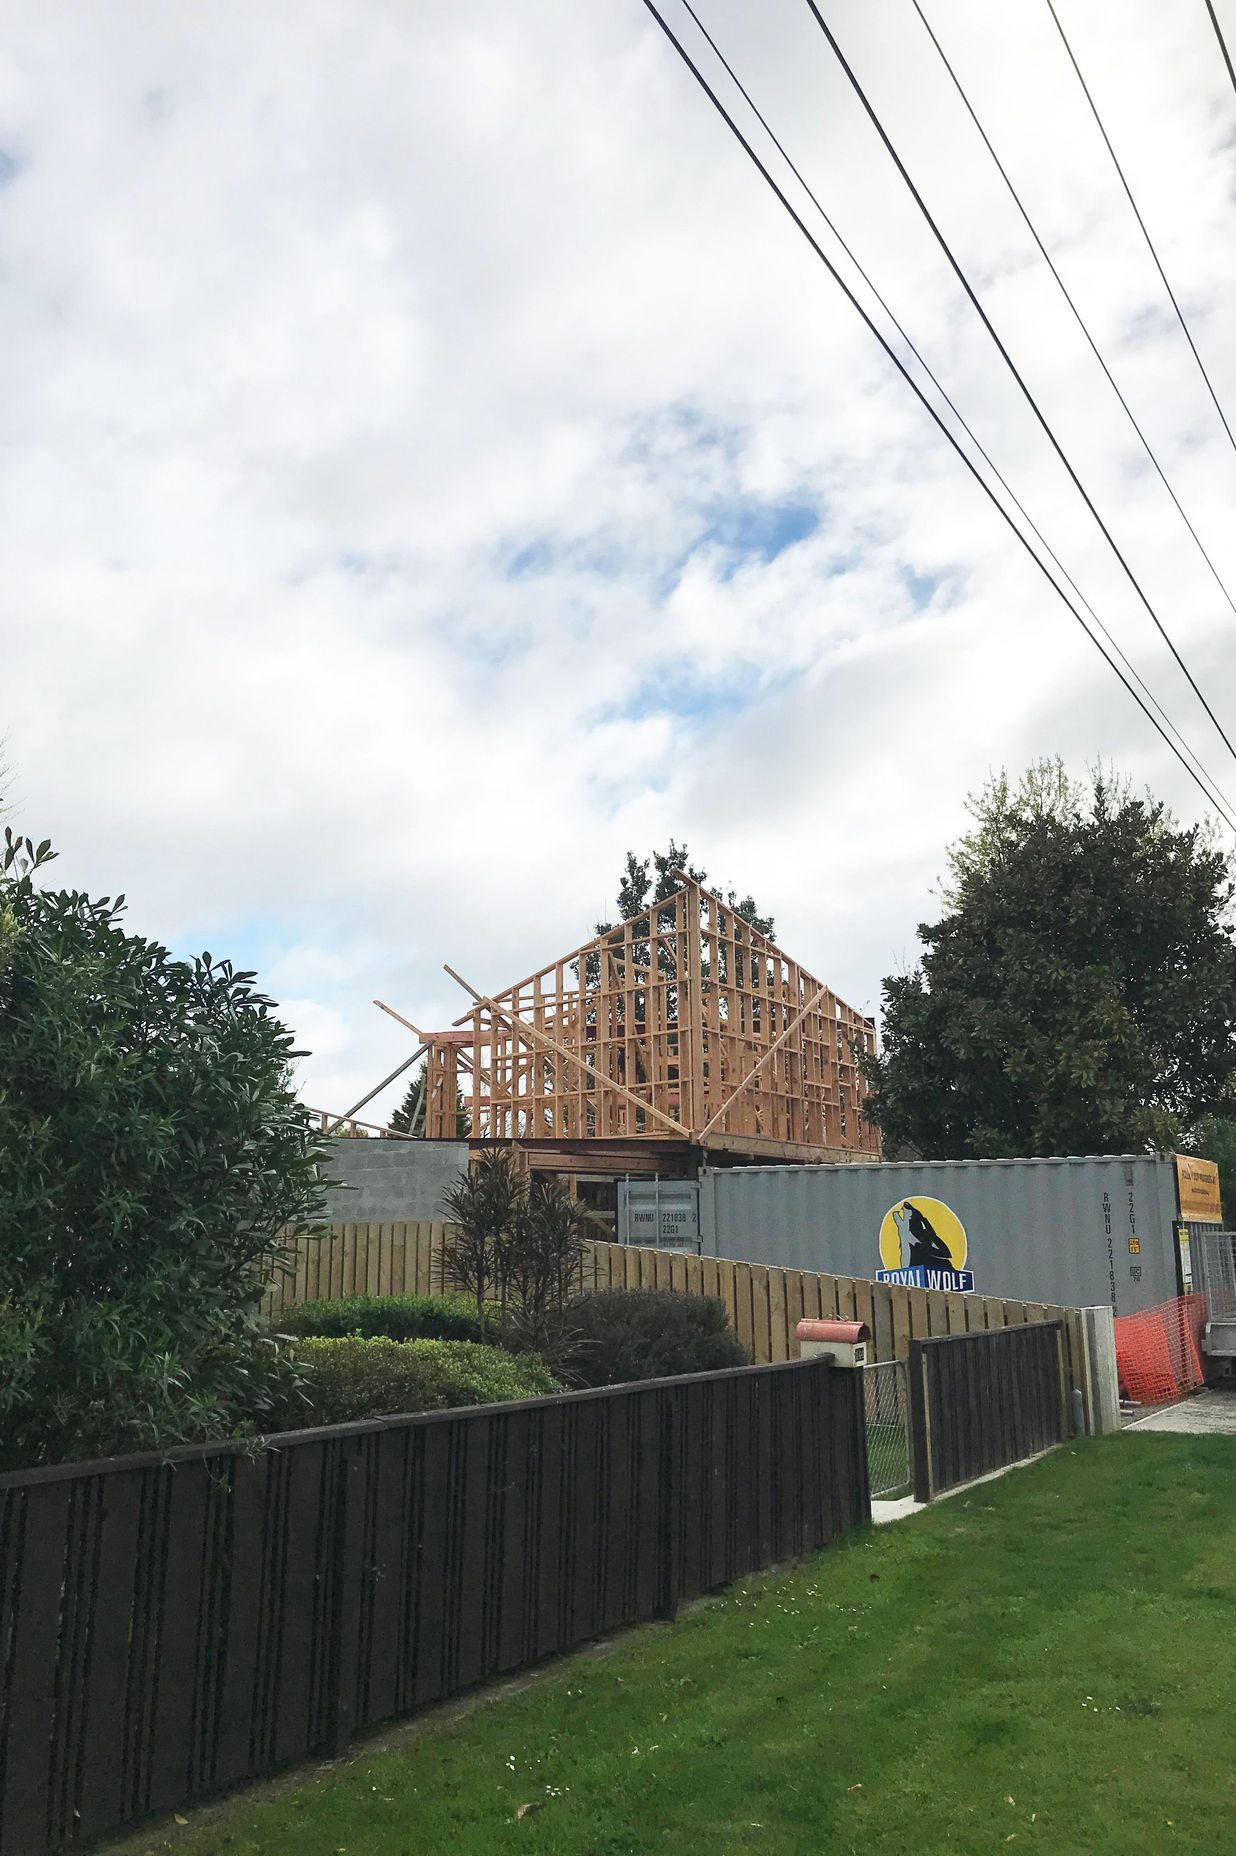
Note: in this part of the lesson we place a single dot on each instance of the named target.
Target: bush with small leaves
(153, 1155)
(353, 1378)
(616, 1335)
(397, 1317)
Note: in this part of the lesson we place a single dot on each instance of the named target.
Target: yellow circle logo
(924, 1232)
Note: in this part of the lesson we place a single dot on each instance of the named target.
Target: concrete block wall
(387, 1182)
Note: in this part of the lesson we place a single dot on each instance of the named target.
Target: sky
(431, 465)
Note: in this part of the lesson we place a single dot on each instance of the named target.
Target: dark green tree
(637, 890)
(1078, 995)
(409, 1117)
(152, 1155)
(1214, 1138)
(638, 895)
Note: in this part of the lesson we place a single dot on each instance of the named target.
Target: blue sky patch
(679, 692)
(760, 531)
(536, 557)
(10, 166)
(922, 588)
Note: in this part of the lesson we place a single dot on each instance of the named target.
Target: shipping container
(1076, 1231)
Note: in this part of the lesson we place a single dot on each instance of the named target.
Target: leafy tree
(1078, 995)
(636, 883)
(152, 1153)
(1214, 1138)
(635, 899)
(409, 1117)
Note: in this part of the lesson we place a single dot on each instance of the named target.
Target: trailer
(1214, 1259)
(1077, 1231)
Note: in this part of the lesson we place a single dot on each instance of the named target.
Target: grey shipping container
(1072, 1231)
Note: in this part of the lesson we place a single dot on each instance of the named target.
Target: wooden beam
(768, 1147)
(366, 1100)
(405, 1022)
(772, 1050)
(541, 1037)
(428, 1038)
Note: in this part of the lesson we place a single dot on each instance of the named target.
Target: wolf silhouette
(919, 1237)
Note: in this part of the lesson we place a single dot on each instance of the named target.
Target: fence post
(1100, 1333)
(1065, 1383)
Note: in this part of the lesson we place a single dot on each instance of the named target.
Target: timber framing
(681, 1029)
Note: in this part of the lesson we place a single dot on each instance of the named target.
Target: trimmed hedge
(613, 1336)
(351, 1377)
(397, 1317)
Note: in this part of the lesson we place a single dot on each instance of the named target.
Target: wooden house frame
(681, 1028)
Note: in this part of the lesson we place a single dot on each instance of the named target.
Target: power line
(899, 364)
(749, 100)
(1077, 315)
(1009, 362)
(1227, 56)
(1150, 245)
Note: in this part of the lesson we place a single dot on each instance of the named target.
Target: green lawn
(1047, 1663)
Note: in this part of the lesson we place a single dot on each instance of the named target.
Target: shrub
(514, 1240)
(616, 1335)
(397, 1317)
(352, 1378)
(484, 1205)
(152, 1153)
(542, 1260)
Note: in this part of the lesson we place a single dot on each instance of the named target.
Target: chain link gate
(887, 1409)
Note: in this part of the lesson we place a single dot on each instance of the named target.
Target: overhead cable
(1009, 362)
(651, 7)
(749, 100)
(1227, 56)
(1077, 315)
(1150, 244)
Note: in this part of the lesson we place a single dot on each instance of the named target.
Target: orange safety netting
(1158, 1350)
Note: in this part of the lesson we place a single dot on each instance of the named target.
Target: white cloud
(386, 391)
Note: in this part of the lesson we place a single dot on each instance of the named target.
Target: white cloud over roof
(431, 465)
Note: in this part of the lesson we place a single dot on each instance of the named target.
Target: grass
(1047, 1662)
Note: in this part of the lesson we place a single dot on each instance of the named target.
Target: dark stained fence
(980, 1401)
(169, 1628)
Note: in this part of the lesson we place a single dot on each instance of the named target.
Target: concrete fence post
(1101, 1362)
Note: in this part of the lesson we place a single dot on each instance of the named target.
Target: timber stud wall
(684, 1019)
(765, 1303)
(172, 1628)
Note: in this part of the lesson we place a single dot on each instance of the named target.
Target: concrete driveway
(1210, 1411)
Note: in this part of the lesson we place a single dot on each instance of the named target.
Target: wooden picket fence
(765, 1303)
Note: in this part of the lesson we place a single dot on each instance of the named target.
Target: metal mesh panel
(1215, 1271)
(887, 1412)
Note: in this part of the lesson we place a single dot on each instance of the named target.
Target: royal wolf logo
(923, 1245)
(920, 1241)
